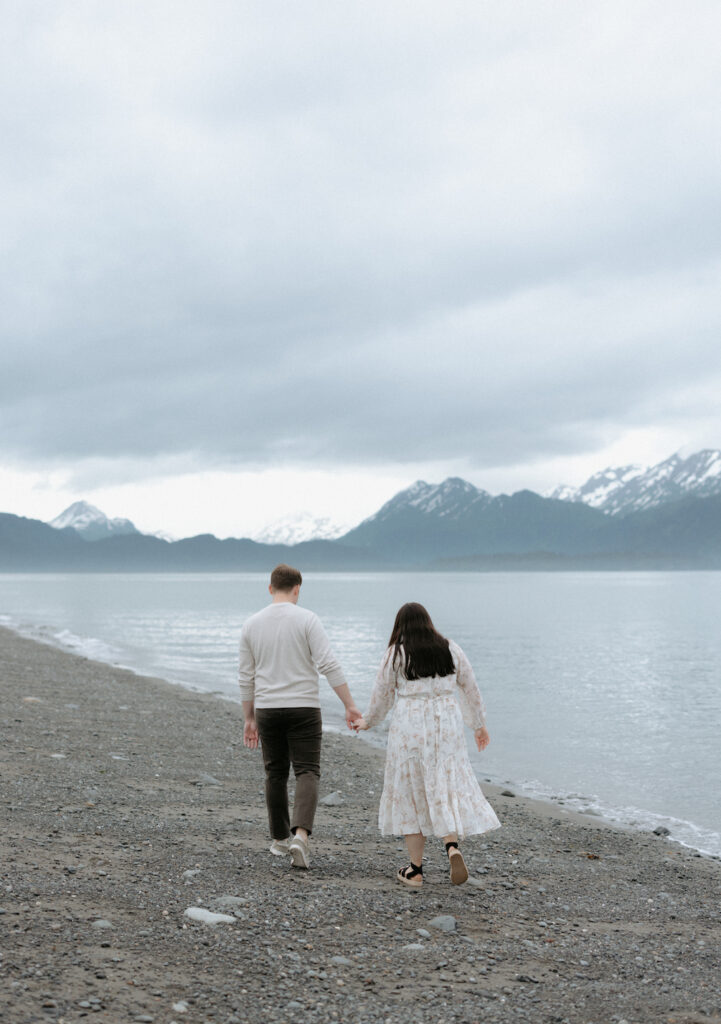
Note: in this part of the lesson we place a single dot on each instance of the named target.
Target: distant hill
(90, 523)
(419, 526)
(27, 545)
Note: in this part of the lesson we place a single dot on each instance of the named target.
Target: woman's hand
(360, 724)
(482, 738)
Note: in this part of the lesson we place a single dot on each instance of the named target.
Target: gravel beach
(128, 801)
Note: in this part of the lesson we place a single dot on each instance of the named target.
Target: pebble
(661, 830)
(333, 799)
(191, 873)
(181, 1006)
(423, 932)
(444, 923)
(101, 923)
(507, 792)
(413, 947)
(231, 901)
(207, 917)
(341, 961)
(204, 779)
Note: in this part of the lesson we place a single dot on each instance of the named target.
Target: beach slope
(127, 801)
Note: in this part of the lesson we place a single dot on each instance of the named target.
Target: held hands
(361, 725)
(352, 715)
(482, 738)
(250, 734)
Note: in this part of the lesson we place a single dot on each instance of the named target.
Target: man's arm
(246, 679)
(328, 666)
(352, 713)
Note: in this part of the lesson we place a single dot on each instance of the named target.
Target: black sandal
(459, 871)
(411, 876)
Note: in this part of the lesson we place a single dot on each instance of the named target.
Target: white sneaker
(280, 847)
(299, 853)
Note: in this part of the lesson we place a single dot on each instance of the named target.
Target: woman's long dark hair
(425, 651)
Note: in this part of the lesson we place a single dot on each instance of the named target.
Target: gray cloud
(236, 236)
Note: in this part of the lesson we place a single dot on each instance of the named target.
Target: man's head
(285, 583)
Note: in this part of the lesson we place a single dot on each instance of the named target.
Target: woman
(429, 786)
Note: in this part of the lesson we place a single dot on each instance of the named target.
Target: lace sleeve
(469, 696)
(384, 692)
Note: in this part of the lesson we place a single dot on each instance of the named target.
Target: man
(282, 650)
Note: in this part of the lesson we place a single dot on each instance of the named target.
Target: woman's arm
(472, 706)
(383, 695)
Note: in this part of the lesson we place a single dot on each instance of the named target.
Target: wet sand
(127, 801)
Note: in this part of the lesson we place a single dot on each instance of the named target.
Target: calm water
(603, 689)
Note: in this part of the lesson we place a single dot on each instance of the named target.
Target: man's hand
(250, 734)
(352, 714)
(482, 738)
(360, 725)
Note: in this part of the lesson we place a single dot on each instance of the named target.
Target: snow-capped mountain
(634, 488)
(451, 499)
(295, 529)
(90, 522)
(599, 488)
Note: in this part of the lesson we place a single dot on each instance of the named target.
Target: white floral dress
(429, 784)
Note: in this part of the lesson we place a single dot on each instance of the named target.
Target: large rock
(204, 779)
(333, 800)
(207, 917)
(444, 923)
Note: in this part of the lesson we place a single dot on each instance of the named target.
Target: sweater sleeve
(384, 692)
(469, 696)
(246, 669)
(322, 655)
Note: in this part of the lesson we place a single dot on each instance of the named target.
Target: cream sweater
(282, 650)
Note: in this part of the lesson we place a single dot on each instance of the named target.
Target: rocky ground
(128, 801)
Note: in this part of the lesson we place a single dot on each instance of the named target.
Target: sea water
(603, 690)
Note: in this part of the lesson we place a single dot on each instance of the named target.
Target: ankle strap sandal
(411, 876)
(459, 871)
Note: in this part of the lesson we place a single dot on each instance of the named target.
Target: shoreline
(130, 799)
(93, 651)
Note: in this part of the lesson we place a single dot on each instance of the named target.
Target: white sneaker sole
(298, 856)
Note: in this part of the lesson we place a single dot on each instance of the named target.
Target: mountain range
(666, 516)
(627, 489)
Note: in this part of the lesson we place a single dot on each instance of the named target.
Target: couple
(429, 786)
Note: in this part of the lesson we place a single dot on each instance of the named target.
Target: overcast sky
(265, 258)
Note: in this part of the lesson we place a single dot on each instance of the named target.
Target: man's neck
(282, 598)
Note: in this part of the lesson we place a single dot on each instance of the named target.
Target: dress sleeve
(384, 692)
(469, 696)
